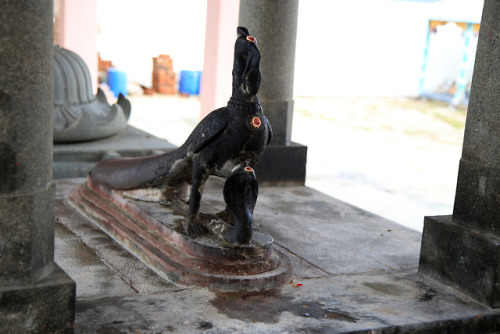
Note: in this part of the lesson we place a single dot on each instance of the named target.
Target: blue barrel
(117, 81)
(189, 82)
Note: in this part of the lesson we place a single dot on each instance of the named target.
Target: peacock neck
(243, 105)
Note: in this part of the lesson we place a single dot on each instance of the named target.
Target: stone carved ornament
(79, 115)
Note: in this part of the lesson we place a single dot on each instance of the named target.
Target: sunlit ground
(397, 158)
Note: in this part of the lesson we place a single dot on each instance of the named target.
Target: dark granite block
(279, 114)
(461, 258)
(26, 87)
(46, 306)
(26, 235)
(283, 165)
(477, 201)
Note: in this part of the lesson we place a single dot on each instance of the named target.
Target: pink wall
(78, 28)
(216, 81)
(77, 31)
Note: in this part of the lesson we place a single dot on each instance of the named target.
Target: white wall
(360, 47)
(369, 47)
(344, 48)
(132, 32)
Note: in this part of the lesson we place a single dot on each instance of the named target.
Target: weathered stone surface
(482, 137)
(27, 234)
(281, 114)
(274, 24)
(152, 232)
(95, 251)
(366, 303)
(353, 272)
(94, 277)
(461, 258)
(79, 115)
(283, 165)
(26, 90)
(276, 38)
(35, 295)
(462, 250)
(77, 159)
(477, 199)
(26, 193)
(44, 306)
(477, 202)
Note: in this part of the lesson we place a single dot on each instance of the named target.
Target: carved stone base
(283, 165)
(44, 306)
(153, 233)
(461, 258)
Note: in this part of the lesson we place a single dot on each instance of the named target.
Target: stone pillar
(274, 24)
(35, 294)
(463, 250)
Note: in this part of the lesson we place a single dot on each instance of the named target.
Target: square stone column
(463, 250)
(35, 294)
(274, 24)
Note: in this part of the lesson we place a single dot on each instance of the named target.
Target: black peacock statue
(227, 143)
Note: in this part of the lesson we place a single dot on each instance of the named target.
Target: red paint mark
(251, 39)
(297, 285)
(256, 122)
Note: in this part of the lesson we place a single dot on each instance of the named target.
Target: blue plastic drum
(189, 82)
(117, 81)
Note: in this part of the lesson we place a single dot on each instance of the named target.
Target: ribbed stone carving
(79, 115)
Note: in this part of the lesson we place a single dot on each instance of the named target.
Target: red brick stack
(103, 66)
(163, 75)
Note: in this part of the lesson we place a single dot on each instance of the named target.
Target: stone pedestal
(35, 295)
(463, 249)
(44, 306)
(153, 233)
(461, 258)
(274, 24)
(283, 165)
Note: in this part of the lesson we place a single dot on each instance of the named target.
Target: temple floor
(353, 271)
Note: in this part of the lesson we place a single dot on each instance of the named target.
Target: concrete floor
(353, 271)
